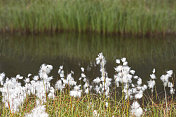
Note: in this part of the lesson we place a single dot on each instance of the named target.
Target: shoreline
(87, 32)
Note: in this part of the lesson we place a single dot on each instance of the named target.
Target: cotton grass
(83, 97)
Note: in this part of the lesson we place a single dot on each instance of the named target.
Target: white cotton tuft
(38, 111)
(136, 109)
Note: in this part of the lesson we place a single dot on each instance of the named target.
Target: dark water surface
(23, 54)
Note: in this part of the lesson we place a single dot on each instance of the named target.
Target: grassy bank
(63, 105)
(102, 16)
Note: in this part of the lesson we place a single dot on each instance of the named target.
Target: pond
(23, 54)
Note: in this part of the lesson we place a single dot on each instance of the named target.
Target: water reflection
(25, 53)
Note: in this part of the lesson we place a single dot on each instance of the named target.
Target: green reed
(63, 105)
(101, 16)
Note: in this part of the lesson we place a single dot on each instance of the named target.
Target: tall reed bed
(102, 16)
(122, 95)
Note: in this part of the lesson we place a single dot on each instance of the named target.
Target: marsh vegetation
(70, 82)
(136, 17)
(122, 95)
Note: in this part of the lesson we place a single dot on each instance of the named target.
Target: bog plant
(34, 96)
(101, 16)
